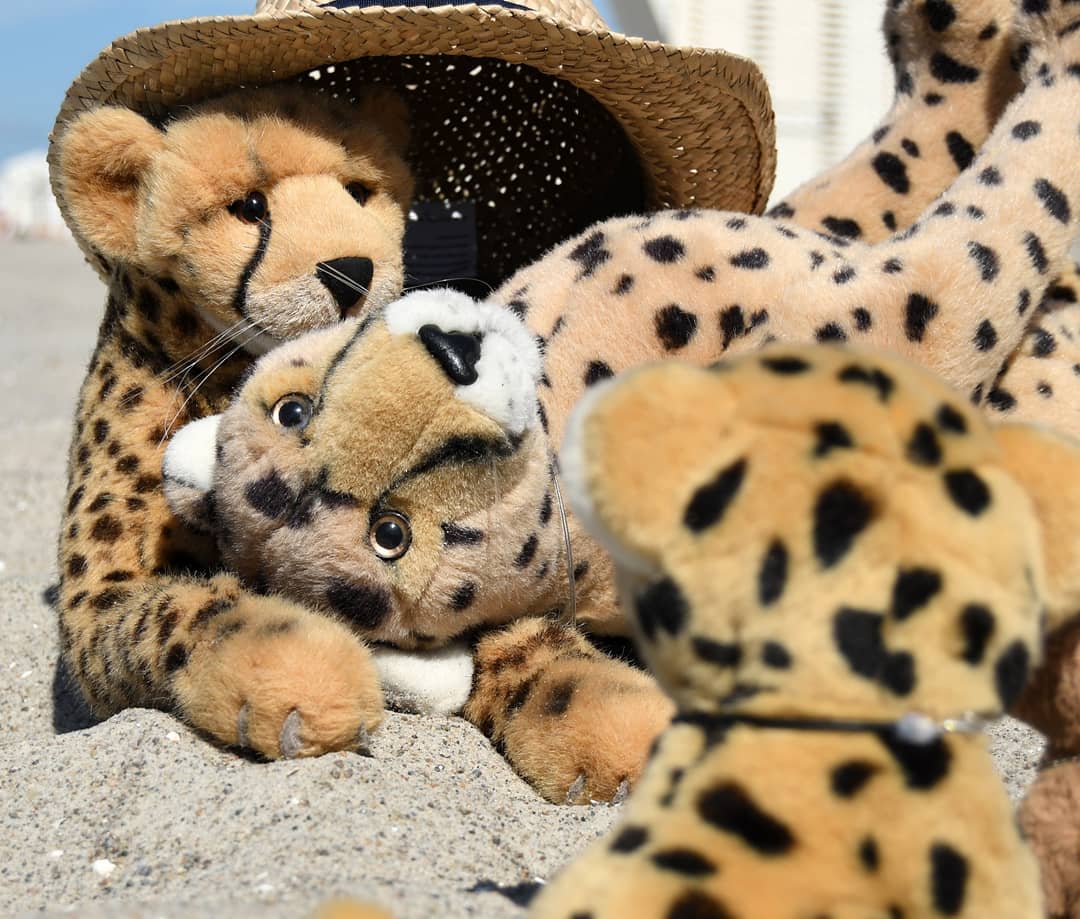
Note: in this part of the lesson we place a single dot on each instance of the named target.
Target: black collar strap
(364, 4)
(913, 728)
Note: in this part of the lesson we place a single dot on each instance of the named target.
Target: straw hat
(550, 123)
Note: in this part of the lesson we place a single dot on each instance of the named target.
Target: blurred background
(824, 60)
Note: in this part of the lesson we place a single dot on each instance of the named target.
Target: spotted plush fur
(814, 542)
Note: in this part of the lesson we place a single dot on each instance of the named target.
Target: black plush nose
(347, 279)
(456, 352)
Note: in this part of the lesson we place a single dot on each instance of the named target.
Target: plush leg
(573, 722)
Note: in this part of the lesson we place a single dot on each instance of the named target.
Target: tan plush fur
(142, 620)
(824, 537)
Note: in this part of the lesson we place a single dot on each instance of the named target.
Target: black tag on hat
(363, 4)
(440, 244)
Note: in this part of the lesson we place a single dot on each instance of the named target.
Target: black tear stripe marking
(946, 69)
(365, 606)
(968, 491)
(455, 451)
(711, 501)
(772, 577)
(686, 862)
(892, 171)
(239, 303)
(849, 778)
(1054, 200)
(841, 513)
(917, 315)
(1011, 673)
(912, 590)
(728, 808)
(923, 765)
(977, 625)
(661, 606)
(960, 149)
(949, 872)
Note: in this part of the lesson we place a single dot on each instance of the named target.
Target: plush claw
(574, 791)
(622, 792)
(242, 717)
(289, 740)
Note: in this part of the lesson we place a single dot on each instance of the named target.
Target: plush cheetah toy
(470, 562)
(238, 223)
(835, 567)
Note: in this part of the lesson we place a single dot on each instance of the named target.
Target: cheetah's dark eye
(292, 411)
(251, 209)
(390, 536)
(359, 191)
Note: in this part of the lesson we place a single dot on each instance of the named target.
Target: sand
(138, 817)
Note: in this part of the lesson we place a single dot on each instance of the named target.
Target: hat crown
(576, 12)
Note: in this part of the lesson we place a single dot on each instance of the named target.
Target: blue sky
(47, 43)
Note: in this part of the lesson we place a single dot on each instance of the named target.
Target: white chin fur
(191, 455)
(575, 482)
(509, 365)
(425, 682)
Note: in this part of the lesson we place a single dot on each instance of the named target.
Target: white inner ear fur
(426, 682)
(509, 366)
(191, 455)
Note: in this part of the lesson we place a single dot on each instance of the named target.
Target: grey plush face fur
(410, 498)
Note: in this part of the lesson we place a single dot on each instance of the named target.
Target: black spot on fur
(176, 658)
(1011, 673)
(710, 501)
(706, 273)
(868, 854)
(106, 529)
(1025, 130)
(1054, 200)
(786, 366)
(849, 778)
(560, 697)
(841, 513)
(924, 449)
(990, 176)
(940, 14)
(977, 624)
(1045, 343)
(842, 226)
(960, 149)
(630, 839)
(661, 606)
(623, 285)
(874, 377)
(590, 254)
(989, 31)
(986, 259)
(665, 249)
(889, 219)
(1036, 253)
(675, 327)
(830, 332)
(831, 435)
(863, 320)
(754, 259)
(685, 862)
(892, 171)
(917, 315)
(923, 765)
(898, 673)
(775, 655)
(985, 336)
(910, 147)
(546, 507)
(363, 605)
(772, 576)
(933, 99)
(913, 589)
(730, 809)
(948, 882)
(857, 634)
(951, 420)
(463, 596)
(782, 211)
(1001, 400)
(455, 535)
(732, 325)
(947, 69)
(968, 491)
(270, 495)
(945, 209)
(697, 904)
(527, 552)
(723, 654)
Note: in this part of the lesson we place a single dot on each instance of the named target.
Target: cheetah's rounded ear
(1047, 465)
(634, 450)
(104, 158)
(188, 471)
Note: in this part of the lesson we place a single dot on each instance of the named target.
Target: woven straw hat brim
(700, 121)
